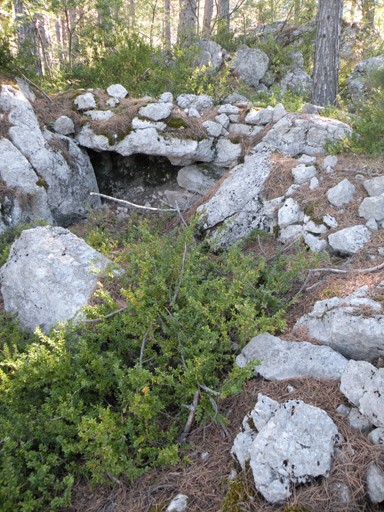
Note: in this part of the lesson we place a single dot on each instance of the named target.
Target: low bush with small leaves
(107, 398)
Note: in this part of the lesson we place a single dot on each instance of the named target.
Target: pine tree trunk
(167, 24)
(369, 12)
(27, 40)
(223, 26)
(327, 52)
(187, 22)
(207, 20)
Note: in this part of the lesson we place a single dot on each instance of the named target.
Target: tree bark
(167, 24)
(27, 40)
(327, 52)
(187, 22)
(207, 20)
(223, 26)
(369, 12)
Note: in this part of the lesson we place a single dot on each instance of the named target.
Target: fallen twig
(191, 417)
(93, 320)
(133, 205)
(142, 348)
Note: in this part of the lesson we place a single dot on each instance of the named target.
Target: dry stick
(113, 478)
(90, 321)
(337, 271)
(142, 348)
(179, 212)
(261, 248)
(181, 277)
(131, 204)
(191, 417)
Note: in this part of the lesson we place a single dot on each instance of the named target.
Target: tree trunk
(297, 6)
(167, 24)
(27, 41)
(327, 52)
(187, 22)
(207, 20)
(369, 12)
(223, 26)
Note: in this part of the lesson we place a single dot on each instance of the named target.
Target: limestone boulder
(197, 178)
(64, 125)
(211, 54)
(250, 64)
(117, 91)
(363, 385)
(287, 360)
(357, 81)
(341, 194)
(295, 134)
(200, 103)
(350, 240)
(352, 326)
(156, 111)
(85, 101)
(298, 81)
(237, 206)
(295, 443)
(49, 277)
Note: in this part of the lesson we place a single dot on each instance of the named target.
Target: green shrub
(102, 399)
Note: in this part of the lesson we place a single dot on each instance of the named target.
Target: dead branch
(191, 417)
(132, 204)
(93, 320)
(142, 348)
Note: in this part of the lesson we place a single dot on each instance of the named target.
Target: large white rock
(375, 186)
(287, 360)
(375, 484)
(303, 173)
(294, 445)
(363, 385)
(117, 91)
(99, 115)
(303, 133)
(372, 208)
(263, 116)
(297, 81)
(341, 194)
(348, 241)
(314, 243)
(213, 129)
(156, 111)
(251, 65)
(289, 213)
(345, 326)
(85, 101)
(237, 206)
(178, 504)
(211, 54)
(200, 103)
(67, 176)
(64, 125)
(227, 153)
(48, 276)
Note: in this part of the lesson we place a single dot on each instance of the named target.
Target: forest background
(64, 43)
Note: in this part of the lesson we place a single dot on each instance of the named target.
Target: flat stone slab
(287, 360)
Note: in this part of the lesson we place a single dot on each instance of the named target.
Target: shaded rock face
(60, 167)
(48, 277)
(115, 173)
(293, 444)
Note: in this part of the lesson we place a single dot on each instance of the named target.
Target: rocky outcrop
(295, 134)
(61, 171)
(49, 277)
